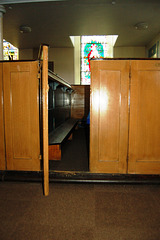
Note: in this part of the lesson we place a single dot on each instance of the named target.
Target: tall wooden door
(2, 143)
(109, 116)
(144, 133)
(21, 108)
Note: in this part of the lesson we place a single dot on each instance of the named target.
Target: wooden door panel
(2, 143)
(20, 115)
(109, 112)
(144, 140)
(21, 100)
(109, 116)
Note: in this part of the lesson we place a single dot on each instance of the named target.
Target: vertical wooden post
(45, 119)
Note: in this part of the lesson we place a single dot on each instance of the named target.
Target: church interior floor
(79, 211)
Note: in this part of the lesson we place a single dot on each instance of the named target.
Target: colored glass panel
(9, 51)
(94, 47)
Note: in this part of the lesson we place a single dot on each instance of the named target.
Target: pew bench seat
(60, 134)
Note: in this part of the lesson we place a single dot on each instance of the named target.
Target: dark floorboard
(75, 153)
(79, 212)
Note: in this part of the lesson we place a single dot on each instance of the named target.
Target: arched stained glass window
(9, 51)
(94, 47)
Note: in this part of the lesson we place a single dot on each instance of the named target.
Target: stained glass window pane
(94, 47)
(9, 51)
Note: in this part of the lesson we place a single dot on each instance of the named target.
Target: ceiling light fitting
(141, 26)
(25, 29)
(113, 2)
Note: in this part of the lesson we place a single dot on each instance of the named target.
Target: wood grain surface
(2, 137)
(21, 108)
(109, 116)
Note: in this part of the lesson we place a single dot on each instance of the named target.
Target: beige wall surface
(77, 60)
(26, 54)
(129, 52)
(63, 59)
(67, 61)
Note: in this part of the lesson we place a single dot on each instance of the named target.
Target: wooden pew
(58, 136)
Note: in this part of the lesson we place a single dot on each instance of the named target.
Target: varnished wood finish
(2, 139)
(109, 116)
(54, 152)
(45, 119)
(21, 110)
(80, 102)
(61, 132)
(64, 131)
(144, 137)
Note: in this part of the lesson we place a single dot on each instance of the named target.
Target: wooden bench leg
(70, 137)
(54, 152)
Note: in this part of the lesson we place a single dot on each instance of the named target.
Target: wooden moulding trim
(45, 119)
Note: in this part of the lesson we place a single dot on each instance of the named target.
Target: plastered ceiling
(52, 22)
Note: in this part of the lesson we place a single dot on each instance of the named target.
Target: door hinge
(40, 157)
(38, 75)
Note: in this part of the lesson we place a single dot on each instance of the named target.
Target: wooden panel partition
(109, 116)
(2, 142)
(125, 116)
(144, 142)
(21, 82)
(80, 103)
(59, 106)
(21, 108)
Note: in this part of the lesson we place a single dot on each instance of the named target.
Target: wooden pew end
(54, 152)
